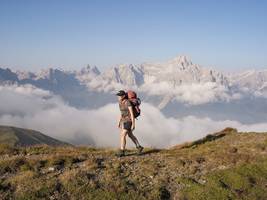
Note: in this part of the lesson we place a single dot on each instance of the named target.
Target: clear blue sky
(227, 34)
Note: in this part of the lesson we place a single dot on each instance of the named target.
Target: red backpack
(135, 101)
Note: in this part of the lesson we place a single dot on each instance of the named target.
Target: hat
(121, 93)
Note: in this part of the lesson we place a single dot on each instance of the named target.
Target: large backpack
(135, 101)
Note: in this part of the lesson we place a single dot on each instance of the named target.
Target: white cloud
(191, 93)
(29, 107)
(194, 94)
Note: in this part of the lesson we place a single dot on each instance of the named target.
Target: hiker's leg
(123, 138)
(133, 138)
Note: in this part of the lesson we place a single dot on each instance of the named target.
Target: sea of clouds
(190, 93)
(193, 93)
(29, 107)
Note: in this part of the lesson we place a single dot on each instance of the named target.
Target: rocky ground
(225, 165)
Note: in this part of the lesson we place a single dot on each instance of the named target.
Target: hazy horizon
(228, 35)
(103, 68)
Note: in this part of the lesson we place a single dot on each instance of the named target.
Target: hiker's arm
(132, 117)
(119, 121)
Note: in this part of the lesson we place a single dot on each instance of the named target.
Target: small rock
(51, 169)
(181, 162)
(200, 160)
(222, 167)
(233, 150)
(202, 181)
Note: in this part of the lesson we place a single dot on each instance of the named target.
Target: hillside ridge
(224, 165)
(15, 136)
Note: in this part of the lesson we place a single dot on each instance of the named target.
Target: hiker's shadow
(145, 152)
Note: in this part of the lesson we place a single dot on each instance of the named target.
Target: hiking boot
(140, 149)
(121, 153)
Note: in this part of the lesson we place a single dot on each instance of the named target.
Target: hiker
(126, 121)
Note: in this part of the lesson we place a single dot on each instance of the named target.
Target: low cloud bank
(29, 107)
(192, 94)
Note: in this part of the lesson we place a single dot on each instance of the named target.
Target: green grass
(247, 181)
(228, 165)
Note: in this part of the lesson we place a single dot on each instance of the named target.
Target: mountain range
(173, 86)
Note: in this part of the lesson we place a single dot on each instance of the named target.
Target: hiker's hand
(132, 127)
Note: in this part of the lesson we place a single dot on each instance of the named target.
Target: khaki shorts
(126, 125)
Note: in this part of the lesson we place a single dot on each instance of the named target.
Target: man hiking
(126, 122)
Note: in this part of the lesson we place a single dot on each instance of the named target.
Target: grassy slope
(227, 165)
(23, 137)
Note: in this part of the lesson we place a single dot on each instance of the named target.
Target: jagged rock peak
(89, 69)
(181, 60)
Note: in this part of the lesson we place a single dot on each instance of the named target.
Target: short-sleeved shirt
(125, 113)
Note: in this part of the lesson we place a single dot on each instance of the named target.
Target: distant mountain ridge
(171, 86)
(14, 136)
(177, 71)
